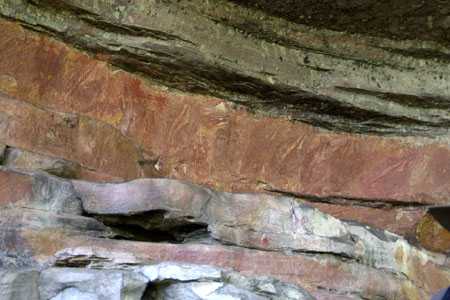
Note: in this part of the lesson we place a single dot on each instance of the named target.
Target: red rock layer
(14, 187)
(206, 141)
(93, 144)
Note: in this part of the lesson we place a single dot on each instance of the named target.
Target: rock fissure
(350, 201)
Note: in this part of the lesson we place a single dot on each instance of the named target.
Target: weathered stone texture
(17, 285)
(156, 281)
(208, 141)
(434, 233)
(268, 64)
(320, 160)
(93, 144)
(296, 243)
(26, 160)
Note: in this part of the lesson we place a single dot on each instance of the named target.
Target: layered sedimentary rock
(266, 63)
(157, 281)
(207, 141)
(347, 260)
(402, 19)
(81, 140)
(320, 159)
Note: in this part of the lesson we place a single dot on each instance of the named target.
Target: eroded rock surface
(81, 140)
(268, 64)
(288, 162)
(295, 238)
(208, 141)
(158, 281)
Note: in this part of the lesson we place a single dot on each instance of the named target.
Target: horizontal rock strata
(270, 65)
(206, 150)
(313, 247)
(208, 141)
(157, 281)
(410, 19)
(80, 140)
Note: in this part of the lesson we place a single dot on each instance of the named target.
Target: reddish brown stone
(205, 141)
(92, 144)
(15, 187)
(19, 159)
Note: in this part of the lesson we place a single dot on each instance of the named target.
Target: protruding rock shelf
(291, 240)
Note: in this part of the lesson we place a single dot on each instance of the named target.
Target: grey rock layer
(333, 80)
(165, 281)
(155, 206)
(259, 221)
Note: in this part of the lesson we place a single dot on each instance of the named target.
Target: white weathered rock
(70, 283)
(180, 272)
(168, 281)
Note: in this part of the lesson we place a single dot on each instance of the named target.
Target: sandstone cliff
(220, 149)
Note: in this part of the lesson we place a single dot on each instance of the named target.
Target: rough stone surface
(165, 281)
(38, 191)
(251, 220)
(402, 221)
(15, 187)
(433, 231)
(19, 285)
(91, 143)
(320, 171)
(86, 284)
(400, 19)
(292, 235)
(26, 160)
(214, 144)
(385, 88)
(323, 276)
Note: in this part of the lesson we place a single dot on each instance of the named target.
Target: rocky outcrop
(282, 230)
(207, 150)
(210, 142)
(78, 139)
(270, 65)
(157, 281)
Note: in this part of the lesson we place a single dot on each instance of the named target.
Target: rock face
(74, 138)
(265, 63)
(208, 150)
(214, 144)
(283, 232)
(157, 281)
